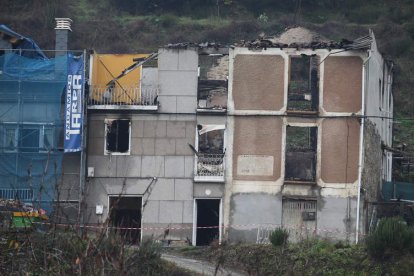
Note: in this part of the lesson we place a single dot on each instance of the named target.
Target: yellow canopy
(106, 67)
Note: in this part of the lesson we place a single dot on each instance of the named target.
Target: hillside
(142, 25)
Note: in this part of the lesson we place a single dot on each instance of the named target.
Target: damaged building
(156, 143)
(306, 122)
(202, 142)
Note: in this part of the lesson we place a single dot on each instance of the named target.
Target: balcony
(132, 98)
(209, 167)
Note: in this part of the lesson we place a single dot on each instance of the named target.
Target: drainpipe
(361, 144)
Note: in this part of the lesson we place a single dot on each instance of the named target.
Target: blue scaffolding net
(31, 126)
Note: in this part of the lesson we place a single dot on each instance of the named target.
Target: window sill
(303, 112)
(117, 153)
(299, 182)
(213, 179)
(212, 110)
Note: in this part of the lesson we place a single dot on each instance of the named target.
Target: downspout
(361, 144)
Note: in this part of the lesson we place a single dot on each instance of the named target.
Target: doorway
(125, 212)
(207, 221)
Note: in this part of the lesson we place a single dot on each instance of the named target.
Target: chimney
(62, 34)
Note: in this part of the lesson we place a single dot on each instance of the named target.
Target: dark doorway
(125, 212)
(208, 215)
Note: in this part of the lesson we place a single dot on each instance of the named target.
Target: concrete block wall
(178, 77)
(159, 169)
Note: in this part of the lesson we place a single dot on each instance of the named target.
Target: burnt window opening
(117, 136)
(300, 161)
(211, 139)
(125, 218)
(303, 94)
(212, 81)
(210, 151)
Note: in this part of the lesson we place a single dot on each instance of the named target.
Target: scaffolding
(31, 125)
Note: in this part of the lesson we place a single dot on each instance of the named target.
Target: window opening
(125, 212)
(117, 136)
(212, 81)
(47, 142)
(210, 150)
(300, 161)
(10, 139)
(29, 139)
(303, 93)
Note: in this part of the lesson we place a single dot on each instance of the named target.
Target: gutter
(361, 144)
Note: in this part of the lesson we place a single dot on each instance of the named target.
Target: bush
(279, 237)
(392, 235)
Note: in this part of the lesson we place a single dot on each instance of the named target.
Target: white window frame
(194, 236)
(107, 152)
(42, 147)
(217, 179)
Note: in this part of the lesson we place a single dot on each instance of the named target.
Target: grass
(309, 257)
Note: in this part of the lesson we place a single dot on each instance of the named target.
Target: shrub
(392, 235)
(279, 237)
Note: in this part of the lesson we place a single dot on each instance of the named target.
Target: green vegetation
(67, 253)
(279, 237)
(308, 257)
(391, 237)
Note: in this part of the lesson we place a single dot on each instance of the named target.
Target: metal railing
(22, 194)
(210, 165)
(135, 95)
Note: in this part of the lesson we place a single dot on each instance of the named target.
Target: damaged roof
(293, 37)
(299, 37)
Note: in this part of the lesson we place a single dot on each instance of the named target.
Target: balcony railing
(209, 167)
(136, 97)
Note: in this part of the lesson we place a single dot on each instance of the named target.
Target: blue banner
(74, 104)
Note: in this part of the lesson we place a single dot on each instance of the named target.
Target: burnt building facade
(207, 142)
(306, 121)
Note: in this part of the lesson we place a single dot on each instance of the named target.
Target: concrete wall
(160, 165)
(339, 150)
(177, 76)
(342, 86)
(259, 82)
(379, 102)
(257, 148)
(159, 149)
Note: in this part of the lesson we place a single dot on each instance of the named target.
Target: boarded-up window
(117, 136)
